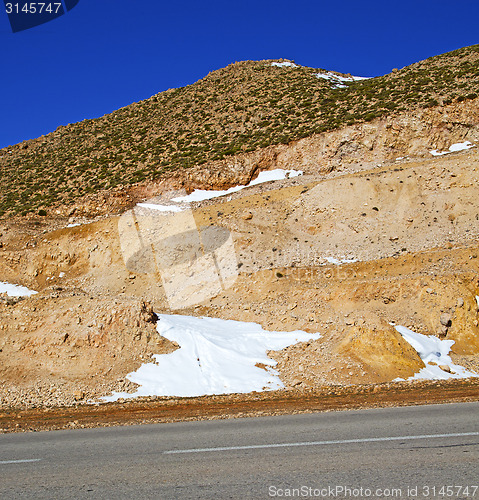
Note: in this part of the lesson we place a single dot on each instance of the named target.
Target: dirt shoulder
(165, 410)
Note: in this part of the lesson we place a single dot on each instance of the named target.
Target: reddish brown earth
(164, 410)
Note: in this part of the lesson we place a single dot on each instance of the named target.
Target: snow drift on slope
(285, 64)
(454, 148)
(339, 80)
(15, 290)
(215, 357)
(204, 194)
(266, 176)
(341, 260)
(434, 352)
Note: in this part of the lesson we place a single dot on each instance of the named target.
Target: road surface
(382, 453)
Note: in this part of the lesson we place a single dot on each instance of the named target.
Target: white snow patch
(204, 194)
(461, 146)
(477, 300)
(74, 225)
(15, 290)
(274, 175)
(285, 64)
(434, 352)
(61, 275)
(340, 261)
(266, 176)
(215, 357)
(161, 208)
(339, 80)
(454, 148)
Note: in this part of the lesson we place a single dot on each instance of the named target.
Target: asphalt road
(386, 452)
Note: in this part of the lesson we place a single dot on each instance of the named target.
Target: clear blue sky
(105, 54)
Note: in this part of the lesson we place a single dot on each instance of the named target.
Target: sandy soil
(412, 225)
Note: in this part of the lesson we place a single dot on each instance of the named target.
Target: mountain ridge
(238, 109)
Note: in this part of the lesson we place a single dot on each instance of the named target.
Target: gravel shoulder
(165, 410)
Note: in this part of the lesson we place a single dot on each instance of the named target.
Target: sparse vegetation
(241, 108)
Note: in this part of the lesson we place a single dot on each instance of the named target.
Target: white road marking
(26, 461)
(321, 443)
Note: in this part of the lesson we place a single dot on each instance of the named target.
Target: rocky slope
(412, 225)
(352, 148)
(376, 231)
(239, 109)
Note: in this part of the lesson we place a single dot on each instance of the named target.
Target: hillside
(362, 234)
(343, 256)
(239, 109)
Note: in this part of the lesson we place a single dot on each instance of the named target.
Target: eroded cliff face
(356, 146)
